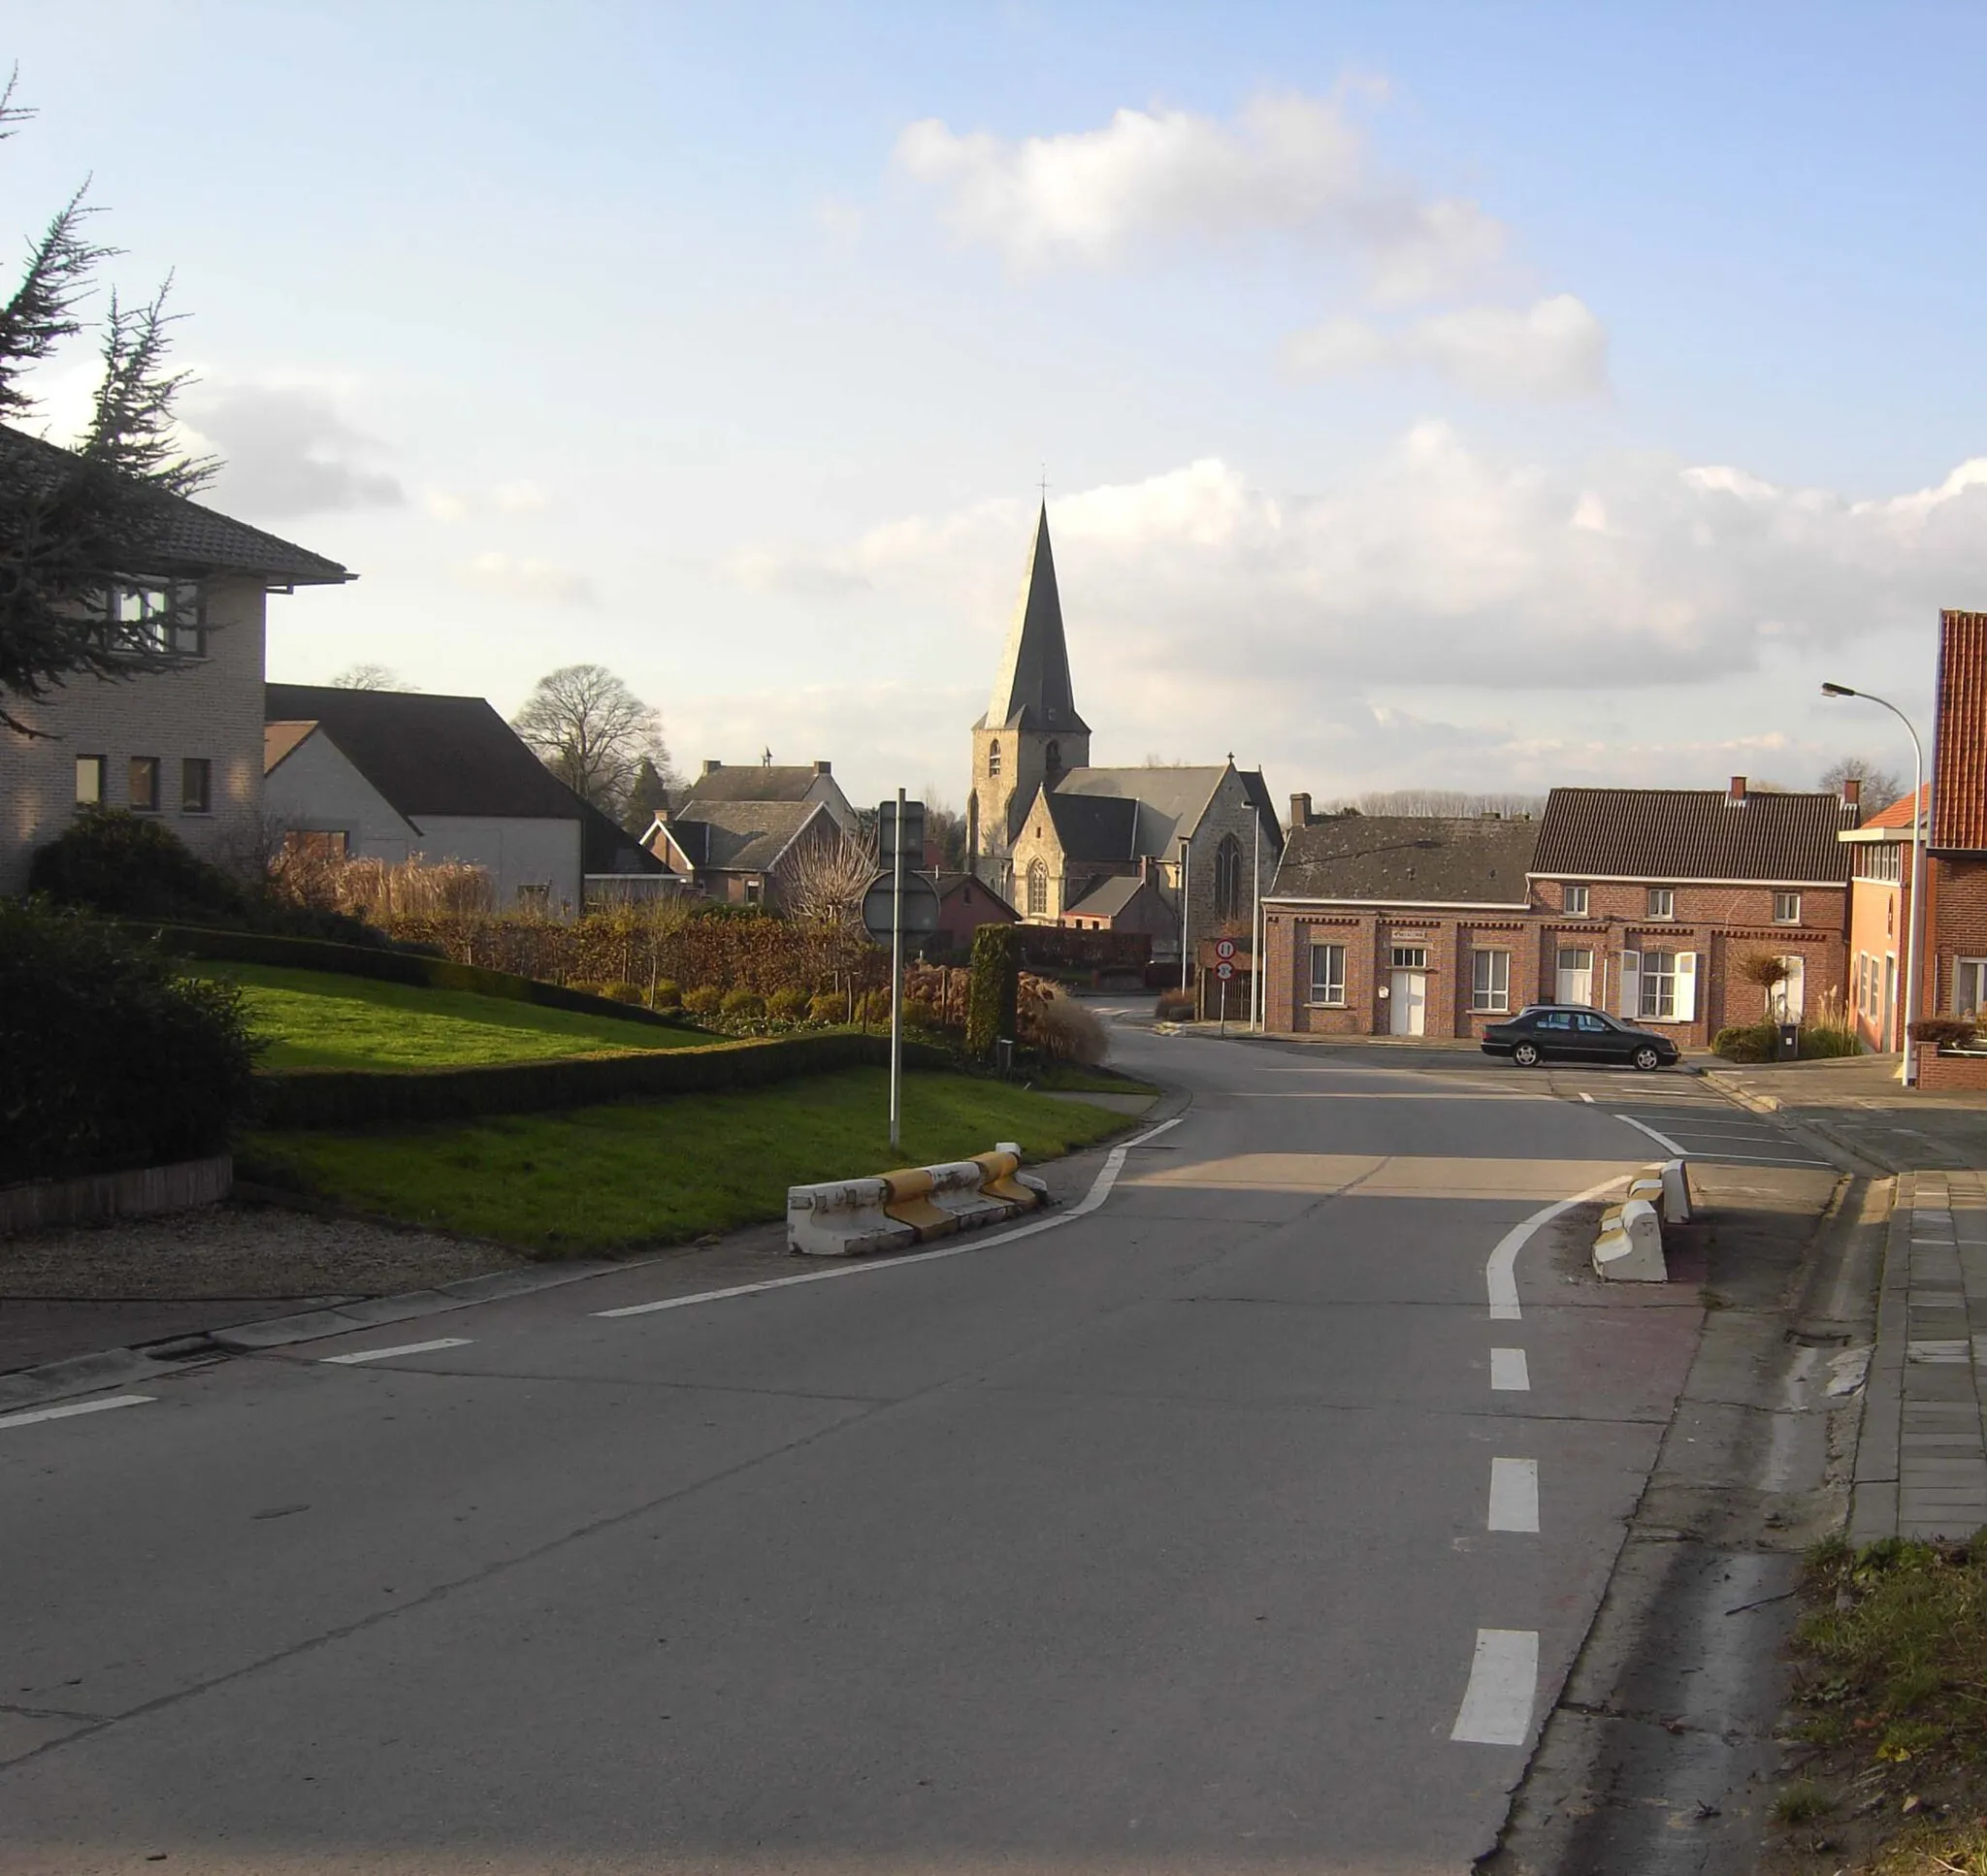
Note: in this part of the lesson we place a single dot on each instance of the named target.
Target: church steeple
(1033, 690)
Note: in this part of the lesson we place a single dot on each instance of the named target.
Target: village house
(789, 783)
(182, 745)
(1880, 920)
(1647, 902)
(742, 853)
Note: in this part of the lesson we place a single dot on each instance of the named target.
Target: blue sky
(1455, 395)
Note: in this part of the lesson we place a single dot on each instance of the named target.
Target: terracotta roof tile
(1958, 797)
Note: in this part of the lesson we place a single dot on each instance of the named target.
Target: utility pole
(1186, 880)
(1255, 1004)
(897, 982)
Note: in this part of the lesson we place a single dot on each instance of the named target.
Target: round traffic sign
(1224, 949)
(1224, 970)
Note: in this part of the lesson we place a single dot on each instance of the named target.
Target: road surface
(1249, 1521)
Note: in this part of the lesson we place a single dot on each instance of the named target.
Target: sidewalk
(1858, 1104)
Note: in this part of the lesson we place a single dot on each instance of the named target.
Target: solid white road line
(1509, 1373)
(1514, 1495)
(1500, 1269)
(404, 1348)
(1662, 1139)
(1588, 1099)
(1504, 1681)
(79, 1407)
(1100, 1190)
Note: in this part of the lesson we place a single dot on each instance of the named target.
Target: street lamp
(1914, 940)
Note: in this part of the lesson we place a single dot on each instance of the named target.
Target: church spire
(1033, 690)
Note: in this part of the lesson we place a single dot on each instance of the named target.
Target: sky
(1437, 396)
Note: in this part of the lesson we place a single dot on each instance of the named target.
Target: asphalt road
(1227, 1526)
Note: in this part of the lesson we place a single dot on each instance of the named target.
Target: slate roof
(1171, 800)
(447, 755)
(753, 782)
(1091, 826)
(1109, 897)
(948, 882)
(188, 538)
(740, 836)
(1032, 689)
(1670, 834)
(1411, 859)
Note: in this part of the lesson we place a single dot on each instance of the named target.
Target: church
(1111, 849)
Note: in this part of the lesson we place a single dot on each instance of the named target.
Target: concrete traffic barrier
(1675, 1191)
(1630, 1246)
(848, 1217)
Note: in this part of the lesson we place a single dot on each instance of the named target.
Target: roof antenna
(766, 759)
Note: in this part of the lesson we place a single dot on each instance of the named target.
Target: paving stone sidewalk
(1921, 1462)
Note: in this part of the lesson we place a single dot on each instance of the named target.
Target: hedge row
(337, 1097)
(390, 967)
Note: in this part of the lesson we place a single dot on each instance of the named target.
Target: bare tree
(371, 678)
(1880, 786)
(592, 731)
(823, 883)
(1440, 804)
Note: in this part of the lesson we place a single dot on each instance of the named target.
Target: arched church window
(1054, 758)
(1039, 890)
(1229, 878)
(993, 759)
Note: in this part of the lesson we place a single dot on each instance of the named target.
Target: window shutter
(1631, 984)
(1686, 986)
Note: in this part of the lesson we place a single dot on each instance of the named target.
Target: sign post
(900, 898)
(1224, 971)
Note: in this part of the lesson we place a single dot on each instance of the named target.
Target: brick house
(768, 781)
(1879, 921)
(1642, 901)
(743, 853)
(183, 745)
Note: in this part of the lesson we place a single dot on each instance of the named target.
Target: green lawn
(316, 1019)
(660, 1171)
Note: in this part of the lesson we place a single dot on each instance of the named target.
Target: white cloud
(1553, 349)
(1286, 164)
(287, 449)
(529, 579)
(506, 499)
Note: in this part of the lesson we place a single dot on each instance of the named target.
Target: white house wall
(517, 852)
(211, 707)
(315, 789)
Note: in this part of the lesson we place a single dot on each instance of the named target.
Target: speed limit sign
(1224, 949)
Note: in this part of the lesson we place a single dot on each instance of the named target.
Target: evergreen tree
(647, 795)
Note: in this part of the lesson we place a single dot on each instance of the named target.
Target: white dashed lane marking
(1514, 1495)
(1504, 1682)
(75, 1408)
(404, 1348)
(1509, 1373)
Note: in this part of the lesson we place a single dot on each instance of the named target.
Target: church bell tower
(1031, 734)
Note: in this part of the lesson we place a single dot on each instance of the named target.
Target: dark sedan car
(1552, 1032)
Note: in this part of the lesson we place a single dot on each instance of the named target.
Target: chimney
(824, 768)
(1735, 795)
(1852, 796)
(711, 763)
(1300, 811)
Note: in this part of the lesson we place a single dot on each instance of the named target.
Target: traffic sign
(913, 836)
(1224, 970)
(920, 906)
(1224, 949)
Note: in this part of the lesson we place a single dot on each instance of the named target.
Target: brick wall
(1955, 928)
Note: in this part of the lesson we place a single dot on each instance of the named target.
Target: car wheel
(1527, 1054)
(1646, 1058)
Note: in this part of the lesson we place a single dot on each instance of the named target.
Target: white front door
(1790, 993)
(1408, 1003)
(1577, 976)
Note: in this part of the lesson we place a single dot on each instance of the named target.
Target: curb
(1804, 1120)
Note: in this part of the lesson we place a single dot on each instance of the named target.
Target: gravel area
(235, 1251)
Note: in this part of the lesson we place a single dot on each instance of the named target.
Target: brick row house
(1641, 902)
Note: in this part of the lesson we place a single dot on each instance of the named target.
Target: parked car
(1557, 1032)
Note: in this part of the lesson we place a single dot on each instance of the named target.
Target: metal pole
(1225, 1008)
(897, 981)
(1256, 926)
(1186, 878)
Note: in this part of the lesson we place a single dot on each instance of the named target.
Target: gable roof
(1093, 826)
(1033, 690)
(1408, 860)
(278, 739)
(950, 883)
(1666, 834)
(1897, 818)
(1959, 761)
(1171, 800)
(1107, 898)
(184, 537)
(446, 756)
(741, 836)
(754, 782)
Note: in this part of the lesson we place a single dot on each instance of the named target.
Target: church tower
(1031, 734)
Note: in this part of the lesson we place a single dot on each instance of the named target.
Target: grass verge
(314, 1019)
(1891, 1690)
(606, 1179)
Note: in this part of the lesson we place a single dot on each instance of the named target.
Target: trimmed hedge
(416, 969)
(994, 990)
(339, 1097)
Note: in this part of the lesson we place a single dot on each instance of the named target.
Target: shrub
(1745, 1042)
(742, 1003)
(1826, 1040)
(621, 992)
(1174, 1006)
(831, 1006)
(1948, 1032)
(788, 1005)
(922, 1012)
(990, 1012)
(108, 1055)
(702, 1001)
(582, 986)
(666, 997)
(1066, 1031)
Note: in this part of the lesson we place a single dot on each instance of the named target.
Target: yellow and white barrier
(850, 1217)
(1629, 1248)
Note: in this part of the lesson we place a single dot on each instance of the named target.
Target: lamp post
(1914, 940)
(1186, 879)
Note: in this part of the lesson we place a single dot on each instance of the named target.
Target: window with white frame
(1490, 981)
(1969, 987)
(1410, 958)
(1786, 908)
(1661, 902)
(1575, 901)
(1659, 983)
(1328, 974)
(1883, 861)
